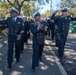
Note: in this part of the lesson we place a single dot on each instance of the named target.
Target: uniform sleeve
(73, 19)
(44, 30)
(22, 28)
(55, 18)
(28, 26)
(34, 29)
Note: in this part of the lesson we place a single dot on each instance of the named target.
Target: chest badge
(69, 18)
(18, 23)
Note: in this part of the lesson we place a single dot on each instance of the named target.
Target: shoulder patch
(69, 18)
(23, 23)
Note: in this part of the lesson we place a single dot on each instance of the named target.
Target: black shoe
(17, 60)
(26, 43)
(33, 69)
(61, 60)
(56, 45)
(53, 41)
(40, 60)
(8, 67)
(22, 52)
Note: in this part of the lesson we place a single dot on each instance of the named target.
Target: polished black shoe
(8, 67)
(33, 69)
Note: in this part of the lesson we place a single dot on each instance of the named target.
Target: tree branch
(10, 2)
(17, 2)
(23, 2)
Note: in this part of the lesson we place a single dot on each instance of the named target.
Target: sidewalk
(48, 67)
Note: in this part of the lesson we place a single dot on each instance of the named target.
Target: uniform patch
(23, 23)
(22, 32)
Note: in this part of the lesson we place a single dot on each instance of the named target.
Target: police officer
(48, 24)
(63, 23)
(23, 36)
(16, 30)
(55, 32)
(27, 31)
(29, 20)
(51, 26)
(39, 31)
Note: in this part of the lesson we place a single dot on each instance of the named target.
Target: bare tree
(17, 4)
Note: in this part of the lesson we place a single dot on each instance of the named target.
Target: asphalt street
(49, 65)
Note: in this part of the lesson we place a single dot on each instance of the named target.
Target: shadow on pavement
(47, 67)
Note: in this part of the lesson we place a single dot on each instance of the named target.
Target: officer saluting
(38, 30)
(63, 23)
(16, 30)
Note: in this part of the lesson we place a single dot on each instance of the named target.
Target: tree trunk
(19, 9)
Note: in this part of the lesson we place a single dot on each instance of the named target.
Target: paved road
(69, 62)
(49, 66)
(70, 55)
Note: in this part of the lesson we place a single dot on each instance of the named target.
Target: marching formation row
(19, 30)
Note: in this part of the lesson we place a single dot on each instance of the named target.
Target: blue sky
(55, 5)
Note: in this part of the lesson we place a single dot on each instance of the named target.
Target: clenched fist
(0, 26)
(18, 37)
(56, 11)
(39, 24)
